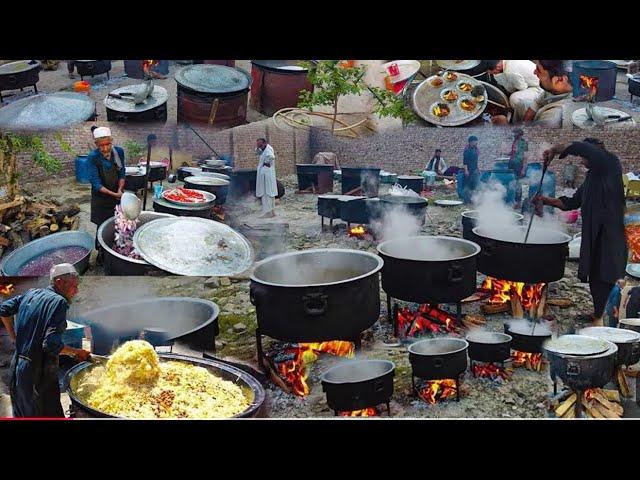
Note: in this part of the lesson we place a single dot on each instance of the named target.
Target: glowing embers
(517, 297)
(367, 412)
(530, 361)
(590, 84)
(433, 391)
(490, 371)
(425, 319)
(290, 360)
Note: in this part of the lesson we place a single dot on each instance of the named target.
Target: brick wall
(403, 151)
(240, 142)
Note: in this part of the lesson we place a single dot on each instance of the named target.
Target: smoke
(396, 222)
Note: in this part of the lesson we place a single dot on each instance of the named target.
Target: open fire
(518, 297)
(433, 391)
(490, 371)
(427, 318)
(290, 361)
(591, 84)
(357, 232)
(367, 412)
(530, 361)
(147, 65)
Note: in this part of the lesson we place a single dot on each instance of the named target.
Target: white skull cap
(62, 269)
(101, 132)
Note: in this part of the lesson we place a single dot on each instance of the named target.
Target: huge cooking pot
(470, 221)
(630, 324)
(505, 256)
(580, 372)
(217, 186)
(316, 295)
(117, 264)
(249, 385)
(438, 358)
(429, 269)
(627, 341)
(390, 204)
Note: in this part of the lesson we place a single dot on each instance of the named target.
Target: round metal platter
(208, 181)
(458, 64)
(46, 112)
(157, 97)
(210, 198)
(448, 203)
(427, 96)
(614, 335)
(581, 120)
(20, 66)
(213, 78)
(193, 246)
(579, 345)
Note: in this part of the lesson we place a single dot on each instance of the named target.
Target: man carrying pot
(107, 174)
(40, 321)
(603, 249)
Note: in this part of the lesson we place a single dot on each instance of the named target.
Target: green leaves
(390, 105)
(12, 144)
(134, 149)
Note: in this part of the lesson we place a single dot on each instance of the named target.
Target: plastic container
(82, 169)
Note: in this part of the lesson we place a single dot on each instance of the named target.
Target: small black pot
(412, 182)
(526, 338)
(356, 385)
(489, 346)
(438, 358)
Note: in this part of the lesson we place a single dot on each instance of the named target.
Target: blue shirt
(470, 159)
(41, 320)
(96, 156)
(614, 299)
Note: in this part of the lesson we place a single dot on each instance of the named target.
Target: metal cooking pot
(217, 186)
(416, 206)
(470, 221)
(526, 337)
(438, 358)
(359, 384)
(586, 371)
(489, 346)
(630, 324)
(429, 269)
(184, 172)
(627, 341)
(316, 295)
(247, 383)
(505, 256)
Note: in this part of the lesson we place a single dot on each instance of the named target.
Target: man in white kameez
(518, 79)
(266, 185)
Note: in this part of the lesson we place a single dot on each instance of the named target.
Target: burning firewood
(471, 321)
(622, 383)
(491, 308)
(598, 405)
(566, 405)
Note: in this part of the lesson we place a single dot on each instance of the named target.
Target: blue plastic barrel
(548, 185)
(82, 169)
(460, 184)
(507, 178)
(533, 167)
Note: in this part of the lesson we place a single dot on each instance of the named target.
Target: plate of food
(450, 100)
(188, 196)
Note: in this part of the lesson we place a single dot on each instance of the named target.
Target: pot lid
(20, 66)
(527, 329)
(193, 246)
(213, 78)
(133, 170)
(158, 97)
(403, 199)
(438, 346)
(356, 371)
(46, 112)
(291, 66)
(614, 335)
(490, 338)
(634, 322)
(203, 180)
(580, 345)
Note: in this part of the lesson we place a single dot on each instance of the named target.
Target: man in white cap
(107, 176)
(40, 321)
(266, 184)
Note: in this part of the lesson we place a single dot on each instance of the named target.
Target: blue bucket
(507, 178)
(82, 169)
(460, 184)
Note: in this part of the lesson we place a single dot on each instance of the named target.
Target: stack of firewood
(596, 403)
(23, 220)
(472, 321)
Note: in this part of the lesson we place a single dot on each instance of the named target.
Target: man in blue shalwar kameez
(40, 321)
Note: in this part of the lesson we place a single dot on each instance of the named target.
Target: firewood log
(592, 410)
(604, 411)
(516, 307)
(611, 395)
(560, 302)
(622, 383)
(610, 406)
(43, 231)
(491, 308)
(564, 406)
(571, 413)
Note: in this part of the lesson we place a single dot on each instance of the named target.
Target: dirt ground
(523, 396)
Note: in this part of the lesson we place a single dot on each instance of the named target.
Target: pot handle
(488, 247)
(315, 303)
(379, 386)
(455, 274)
(438, 362)
(573, 369)
(12, 80)
(635, 348)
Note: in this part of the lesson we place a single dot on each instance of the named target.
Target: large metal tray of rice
(137, 383)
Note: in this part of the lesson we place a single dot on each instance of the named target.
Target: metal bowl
(14, 261)
(249, 385)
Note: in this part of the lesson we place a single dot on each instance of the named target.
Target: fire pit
(92, 68)
(212, 94)
(37, 257)
(114, 262)
(153, 109)
(428, 269)
(438, 359)
(332, 294)
(505, 256)
(277, 84)
(360, 384)
(599, 75)
(18, 75)
(249, 385)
